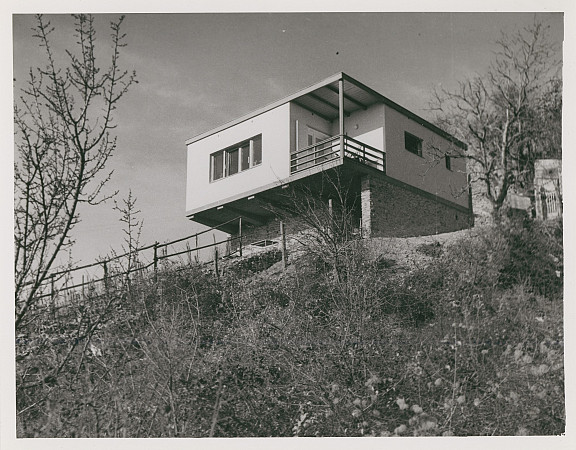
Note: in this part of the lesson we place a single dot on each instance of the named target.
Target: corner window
(237, 158)
(412, 143)
(448, 161)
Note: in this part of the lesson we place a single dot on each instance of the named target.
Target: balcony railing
(328, 151)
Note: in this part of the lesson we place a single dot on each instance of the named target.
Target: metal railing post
(341, 116)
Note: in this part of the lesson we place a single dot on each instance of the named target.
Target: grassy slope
(456, 334)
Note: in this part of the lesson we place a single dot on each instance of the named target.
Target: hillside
(455, 334)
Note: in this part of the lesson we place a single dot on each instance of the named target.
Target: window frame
(228, 164)
(415, 139)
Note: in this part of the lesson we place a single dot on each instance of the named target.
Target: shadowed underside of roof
(323, 99)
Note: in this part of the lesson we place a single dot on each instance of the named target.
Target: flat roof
(322, 99)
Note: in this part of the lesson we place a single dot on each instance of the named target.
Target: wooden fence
(159, 252)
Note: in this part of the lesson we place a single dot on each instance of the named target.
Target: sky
(197, 71)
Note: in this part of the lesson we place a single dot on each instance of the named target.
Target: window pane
(256, 150)
(245, 157)
(218, 166)
(413, 144)
(233, 161)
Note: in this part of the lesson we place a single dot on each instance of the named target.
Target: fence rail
(110, 273)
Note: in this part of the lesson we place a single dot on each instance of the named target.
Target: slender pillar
(366, 203)
(341, 115)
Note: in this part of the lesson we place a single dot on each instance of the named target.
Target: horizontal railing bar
(353, 149)
(137, 250)
(348, 138)
(197, 234)
(363, 155)
(199, 248)
(337, 137)
(314, 159)
(334, 138)
(311, 154)
(315, 165)
(368, 151)
(316, 155)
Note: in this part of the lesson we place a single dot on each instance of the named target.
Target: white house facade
(398, 163)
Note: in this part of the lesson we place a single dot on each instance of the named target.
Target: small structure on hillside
(548, 188)
(544, 200)
(385, 154)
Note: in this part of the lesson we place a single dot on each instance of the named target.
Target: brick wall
(391, 209)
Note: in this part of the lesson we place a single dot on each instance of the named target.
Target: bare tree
(500, 114)
(132, 228)
(329, 212)
(63, 119)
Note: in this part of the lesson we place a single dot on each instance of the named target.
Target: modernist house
(386, 155)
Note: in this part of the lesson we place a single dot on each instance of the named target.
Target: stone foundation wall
(391, 209)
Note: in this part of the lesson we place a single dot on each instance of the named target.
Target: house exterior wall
(392, 210)
(305, 119)
(366, 126)
(274, 125)
(422, 172)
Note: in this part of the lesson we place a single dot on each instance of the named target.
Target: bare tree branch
(63, 120)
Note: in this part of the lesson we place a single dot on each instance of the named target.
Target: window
(217, 165)
(448, 161)
(237, 158)
(412, 143)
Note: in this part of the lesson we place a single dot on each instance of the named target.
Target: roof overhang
(323, 100)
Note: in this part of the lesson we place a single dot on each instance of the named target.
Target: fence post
(216, 259)
(197, 256)
(240, 236)
(105, 266)
(330, 218)
(189, 253)
(156, 260)
(52, 297)
(283, 245)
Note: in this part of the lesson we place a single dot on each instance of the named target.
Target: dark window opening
(233, 165)
(412, 143)
(218, 165)
(256, 151)
(245, 157)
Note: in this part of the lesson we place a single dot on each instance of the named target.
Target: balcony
(328, 151)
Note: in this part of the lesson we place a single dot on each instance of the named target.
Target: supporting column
(341, 115)
(366, 206)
